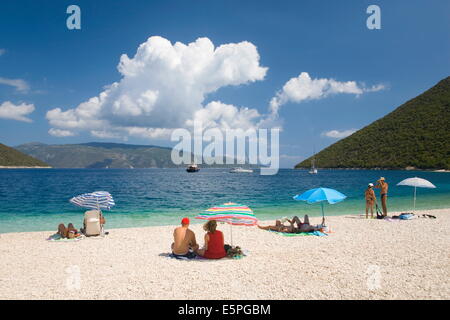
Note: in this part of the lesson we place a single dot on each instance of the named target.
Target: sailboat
(313, 169)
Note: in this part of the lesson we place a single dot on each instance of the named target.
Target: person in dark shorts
(383, 185)
(184, 244)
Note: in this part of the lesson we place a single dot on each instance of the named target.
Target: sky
(138, 69)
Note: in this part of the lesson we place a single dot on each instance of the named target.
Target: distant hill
(10, 157)
(416, 135)
(102, 155)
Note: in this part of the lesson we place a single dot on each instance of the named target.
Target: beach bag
(233, 252)
(379, 213)
(406, 216)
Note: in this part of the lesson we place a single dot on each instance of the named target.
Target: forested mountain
(416, 134)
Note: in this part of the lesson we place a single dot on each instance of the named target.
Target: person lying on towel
(70, 232)
(304, 226)
(184, 244)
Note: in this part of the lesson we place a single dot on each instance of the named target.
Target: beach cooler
(92, 223)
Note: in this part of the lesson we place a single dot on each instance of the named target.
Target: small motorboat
(192, 168)
(241, 170)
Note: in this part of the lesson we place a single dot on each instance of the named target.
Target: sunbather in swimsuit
(69, 232)
(279, 227)
(301, 227)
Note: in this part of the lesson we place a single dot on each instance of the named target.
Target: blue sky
(61, 68)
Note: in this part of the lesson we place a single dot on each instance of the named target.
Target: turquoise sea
(38, 199)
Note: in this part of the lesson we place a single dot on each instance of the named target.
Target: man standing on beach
(184, 239)
(370, 200)
(383, 185)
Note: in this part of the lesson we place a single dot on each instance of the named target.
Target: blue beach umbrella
(321, 195)
(95, 200)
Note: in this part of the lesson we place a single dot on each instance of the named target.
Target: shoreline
(194, 221)
(359, 259)
(24, 167)
(380, 169)
(231, 166)
(314, 215)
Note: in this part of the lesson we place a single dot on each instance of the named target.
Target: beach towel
(200, 258)
(312, 233)
(58, 238)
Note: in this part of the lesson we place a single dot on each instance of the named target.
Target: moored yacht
(192, 168)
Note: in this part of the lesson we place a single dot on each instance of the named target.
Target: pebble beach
(359, 259)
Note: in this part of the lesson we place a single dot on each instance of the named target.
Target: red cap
(185, 221)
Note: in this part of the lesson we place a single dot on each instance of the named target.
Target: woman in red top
(214, 242)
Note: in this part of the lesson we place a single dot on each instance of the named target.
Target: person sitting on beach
(304, 226)
(383, 185)
(370, 200)
(184, 239)
(214, 242)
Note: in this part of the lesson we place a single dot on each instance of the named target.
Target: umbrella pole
(415, 188)
(323, 214)
(231, 233)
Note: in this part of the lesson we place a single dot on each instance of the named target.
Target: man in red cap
(184, 239)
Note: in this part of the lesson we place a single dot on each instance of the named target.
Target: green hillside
(99, 155)
(12, 157)
(416, 134)
(103, 155)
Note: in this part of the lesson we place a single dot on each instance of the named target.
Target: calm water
(33, 200)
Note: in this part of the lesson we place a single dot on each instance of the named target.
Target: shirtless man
(184, 239)
(370, 200)
(279, 227)
(301, 227)
(383, 185)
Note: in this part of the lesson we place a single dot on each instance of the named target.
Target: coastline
(378, 169)
(24, 167)
(231, 166)
(359, 259)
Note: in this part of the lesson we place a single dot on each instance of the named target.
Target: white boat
(241, 170)
(313, 169)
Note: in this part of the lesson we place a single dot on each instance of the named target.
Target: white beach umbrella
(416, 183)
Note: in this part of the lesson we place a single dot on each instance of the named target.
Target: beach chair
(92, 223)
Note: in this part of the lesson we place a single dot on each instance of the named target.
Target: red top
(215, 246)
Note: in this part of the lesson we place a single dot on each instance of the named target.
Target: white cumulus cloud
(164, 87)
(336, 134)
(225, 116)
(304, 88)
(9, 110)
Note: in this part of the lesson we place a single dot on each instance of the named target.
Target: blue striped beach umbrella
(95, 200)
